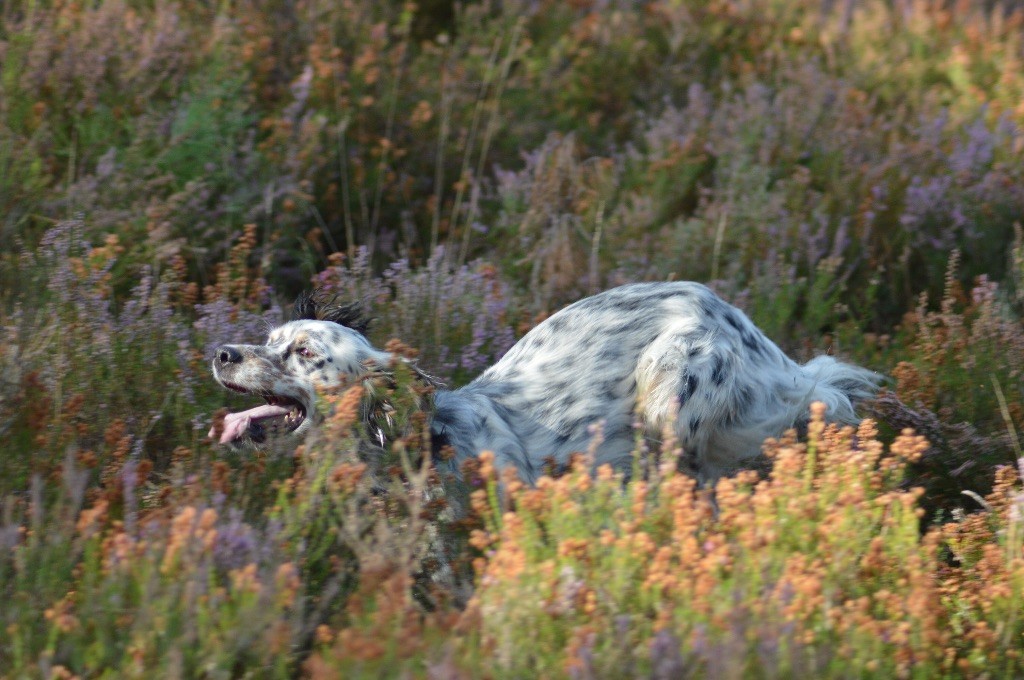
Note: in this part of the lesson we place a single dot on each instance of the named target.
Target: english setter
(663, 354)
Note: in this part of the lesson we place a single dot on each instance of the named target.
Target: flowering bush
(171, 174)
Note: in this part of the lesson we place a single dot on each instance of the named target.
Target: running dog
(660, 354)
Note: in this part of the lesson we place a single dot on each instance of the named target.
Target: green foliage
(206, 135)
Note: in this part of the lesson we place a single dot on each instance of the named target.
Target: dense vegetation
(173, 172)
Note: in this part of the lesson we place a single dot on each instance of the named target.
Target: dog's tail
(785, 404)
(839, 386)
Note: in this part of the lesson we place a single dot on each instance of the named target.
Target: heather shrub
(768, 182)
(465, 317)
(334, 127)
(184, 582)
(818, 568)
(164, 598)
(118, 378)
(171, 174)
(663, 576)
(959, 383)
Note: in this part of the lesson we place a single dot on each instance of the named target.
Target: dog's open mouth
(279, 416)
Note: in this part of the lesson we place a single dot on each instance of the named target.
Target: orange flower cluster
(824, 553)
(190, 529)
(346, 408)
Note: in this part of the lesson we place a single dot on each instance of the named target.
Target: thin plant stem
(492, 125)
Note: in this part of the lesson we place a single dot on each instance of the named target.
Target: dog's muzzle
(281, 415)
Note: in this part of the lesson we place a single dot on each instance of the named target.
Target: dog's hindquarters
(725, 387)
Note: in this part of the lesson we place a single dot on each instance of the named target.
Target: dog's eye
(304, 352)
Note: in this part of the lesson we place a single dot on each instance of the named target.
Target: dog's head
(324, 347)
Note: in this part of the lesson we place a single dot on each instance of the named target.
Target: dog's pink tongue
(235, 424)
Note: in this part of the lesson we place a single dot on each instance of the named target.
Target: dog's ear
(305, 305)
(320, 306)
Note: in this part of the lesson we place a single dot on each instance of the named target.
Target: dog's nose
(226, 354)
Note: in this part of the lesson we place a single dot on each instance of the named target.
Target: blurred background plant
(173, 173)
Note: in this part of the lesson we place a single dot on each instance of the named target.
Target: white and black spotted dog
(663, 354)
